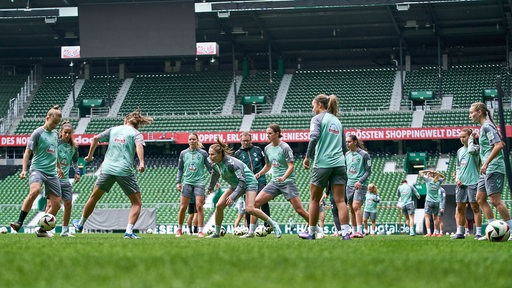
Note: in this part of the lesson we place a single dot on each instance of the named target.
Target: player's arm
(263, 170)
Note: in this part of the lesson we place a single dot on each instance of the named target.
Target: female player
(67, 157)
(405, 201)
(492, 171)
(241, 181)
(124, 142)
(326, 153)
(434, 204)
(466, 178)
(192, 168)
(43, 144)
(370, 207)
(279, 157)
(358, 172)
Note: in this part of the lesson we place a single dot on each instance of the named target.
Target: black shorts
(192, 208)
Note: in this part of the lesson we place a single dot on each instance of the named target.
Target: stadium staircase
(227, 108)
(277, 107)
(121, 95)
(70, 102)
(396, 95)
(417, 118)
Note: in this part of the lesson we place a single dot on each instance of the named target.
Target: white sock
(429, 231)
(319, 229)
(252, 228)
(359, 228)
(436, 232)
(217, 229)
(344, 229)
(129, 228)
(466, 230)
(180, 227)
(411, 230)
(65, 229)
(82, 221)
(311, 230)
(460, 229)
(478, 231)
(199, 229)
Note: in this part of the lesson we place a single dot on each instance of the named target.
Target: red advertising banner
(382, 134)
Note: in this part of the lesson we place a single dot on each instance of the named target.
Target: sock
(478, 231)
(429, 231)
(199, 229)
(82, 221)
(360, 229)
(460, 229)
(344, 229)
(196, 229)
(217, 229)
(270, 222)
(129, 228)
(436, 232)
(319, 229)
(411, 230)
(311, 230)
(65, 229)
(252, 228)
(490, 220)
(22, 217)
(180, 227)
(466, 230)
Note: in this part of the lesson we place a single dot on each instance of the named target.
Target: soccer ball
(497, 231)
(222, 231)
(261, 231)
(3, 230)
(210, 230)
(47, 222)
(149, 231)
(238, 231)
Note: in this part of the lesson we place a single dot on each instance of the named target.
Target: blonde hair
(330, 103)
(137, 120)
(373, 189)
(67, 124)
(54, 112)
(221, 147)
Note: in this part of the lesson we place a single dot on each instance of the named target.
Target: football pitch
(108, 260)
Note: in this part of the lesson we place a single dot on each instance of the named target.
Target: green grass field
(108, 260)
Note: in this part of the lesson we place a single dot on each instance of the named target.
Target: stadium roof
(313, 30)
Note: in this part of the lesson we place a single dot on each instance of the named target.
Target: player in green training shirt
(241, 181)
(325, 155)
(466, 177)
(193, 166)
(42, 145)
(492, 171)
(405, 201)
(279, 157)
(124, 142)
(370, 208)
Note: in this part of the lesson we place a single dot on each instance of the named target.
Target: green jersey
(433, 189)
(370, 204)
(488, 137)
(43, 144)
(404, 193)
(193, 166)
(325, 141)
(467, 164)
(121, 150)
(67, 157)
(279, 156)
(235, 173)
(358, 167)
